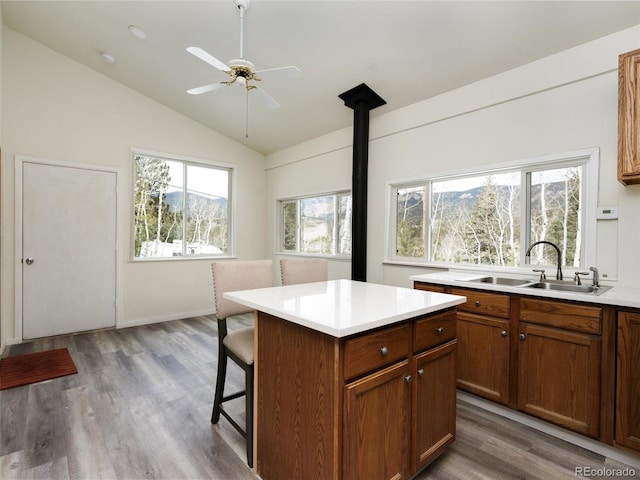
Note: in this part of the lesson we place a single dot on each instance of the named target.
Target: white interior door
(68, 250)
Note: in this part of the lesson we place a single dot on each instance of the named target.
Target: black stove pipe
(361, 99)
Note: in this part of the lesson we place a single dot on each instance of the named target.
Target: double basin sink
(553, 285)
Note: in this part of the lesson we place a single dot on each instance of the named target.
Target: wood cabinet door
(559, 377)
(434, 406)
(376, 430)
(483, 356)
(628, 381)
(628, 118)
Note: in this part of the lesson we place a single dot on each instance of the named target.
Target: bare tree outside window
(410, 222)
(318, 225)
(556, 214)
(317, 221)
(475, 220)
(180, 209)
(478, 220)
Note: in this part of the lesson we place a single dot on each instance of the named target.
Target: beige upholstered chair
(238, 345)
(294, 271)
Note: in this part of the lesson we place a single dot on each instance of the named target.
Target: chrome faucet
(596, 276)
(559, 271)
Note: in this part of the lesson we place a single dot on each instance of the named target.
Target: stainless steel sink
(567, 287)
(555, 285)
(514, 282)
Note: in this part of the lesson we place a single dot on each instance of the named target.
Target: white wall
(1, 231)
(562, 103)
(55, 108)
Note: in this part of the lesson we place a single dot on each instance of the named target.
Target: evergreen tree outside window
(181, 208)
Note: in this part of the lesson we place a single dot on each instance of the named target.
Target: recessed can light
(137, 32)
(107, 57)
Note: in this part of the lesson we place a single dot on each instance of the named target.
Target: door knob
(29, 261)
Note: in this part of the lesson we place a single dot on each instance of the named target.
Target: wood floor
(140, 408)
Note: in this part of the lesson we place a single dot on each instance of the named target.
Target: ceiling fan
(241, 70)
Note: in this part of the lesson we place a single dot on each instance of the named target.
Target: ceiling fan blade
(266, 99)
(207, 57)
(280, 72)
(206, 88)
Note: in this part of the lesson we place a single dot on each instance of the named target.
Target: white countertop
(343, 307)
(617, 296)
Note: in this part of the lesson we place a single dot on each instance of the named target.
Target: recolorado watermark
(604, 472)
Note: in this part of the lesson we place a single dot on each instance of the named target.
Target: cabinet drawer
(434, 330)
(562, 315)
(429, 287)
(374, 350)
(483, 303)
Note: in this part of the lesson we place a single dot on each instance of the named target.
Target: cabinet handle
(477, 303)
(421, 372)
(384, 351)
(407, 379)
(522, 336)
(503, 333)
(439, 330)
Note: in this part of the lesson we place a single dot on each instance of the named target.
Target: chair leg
(222, 374)
(249, 414)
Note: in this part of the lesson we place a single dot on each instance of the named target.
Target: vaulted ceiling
(406, 51)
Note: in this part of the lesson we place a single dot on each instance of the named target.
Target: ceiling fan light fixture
(241, 71)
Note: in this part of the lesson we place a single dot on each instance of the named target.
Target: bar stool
(293, 271)
(237, 345)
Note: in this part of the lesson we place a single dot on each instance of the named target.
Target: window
(181, 208)
(319, 225)
(490, 218)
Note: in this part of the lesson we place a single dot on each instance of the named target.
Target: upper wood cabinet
(629, 118)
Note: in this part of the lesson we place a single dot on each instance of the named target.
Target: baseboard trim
(168, 318)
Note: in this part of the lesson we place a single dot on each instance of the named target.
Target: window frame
(280, 234)
(186, 161)
(588, 158)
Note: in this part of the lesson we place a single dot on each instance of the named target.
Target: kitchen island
(353, 379)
